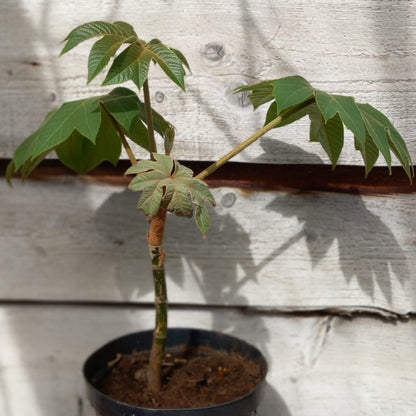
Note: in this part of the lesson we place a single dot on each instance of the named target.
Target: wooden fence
(317, 269)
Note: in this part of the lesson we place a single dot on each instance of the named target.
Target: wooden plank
(318, 364)
(359, 50)
(73, 240)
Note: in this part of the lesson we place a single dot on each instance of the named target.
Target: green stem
(157, 255)
(121, 136)
(259, 133)
(149, 118)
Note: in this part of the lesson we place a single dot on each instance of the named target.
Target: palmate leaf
(330, 134)
(293, 98)
(291, 91)
(369, 153)
(81, 155)
(166, 183)
(133, 64)
(331, 104)
(83, 132)
(297, 115)
(95, 29)
(101, 53)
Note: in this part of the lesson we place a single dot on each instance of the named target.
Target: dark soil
(191, 378)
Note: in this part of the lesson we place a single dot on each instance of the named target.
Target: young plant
(86, 132)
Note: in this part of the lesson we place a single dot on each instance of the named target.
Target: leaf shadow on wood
(121, 226)
(368, 250)
(215, 265)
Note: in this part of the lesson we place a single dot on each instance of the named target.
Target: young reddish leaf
(166, 183)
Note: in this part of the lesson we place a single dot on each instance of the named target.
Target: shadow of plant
(368, 250)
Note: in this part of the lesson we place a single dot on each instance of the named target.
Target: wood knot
(159, 96)
(213, 51)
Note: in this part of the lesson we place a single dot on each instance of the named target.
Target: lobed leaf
(297, 115)
(291, 91)
(84, 132)
(330, 134)
(293, 98)
(95, 29)
(81, 155)
(331, 104)
(369, 153)
(101, 53)
(170, 61)
(166, 183)
(133, 64)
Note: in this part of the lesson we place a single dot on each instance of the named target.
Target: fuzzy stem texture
(157, 255)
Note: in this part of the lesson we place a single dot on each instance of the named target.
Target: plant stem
(259, 133)
(121, 136)
(157, 255)
(149, 118)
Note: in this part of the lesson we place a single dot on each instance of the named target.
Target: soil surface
(191, 378)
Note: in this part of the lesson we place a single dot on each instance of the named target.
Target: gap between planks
(350, 312)
(255, 176)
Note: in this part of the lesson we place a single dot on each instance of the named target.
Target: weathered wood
(74, 240)
(319, 365)
(347, 46)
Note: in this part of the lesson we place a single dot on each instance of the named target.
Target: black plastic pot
(96, 367)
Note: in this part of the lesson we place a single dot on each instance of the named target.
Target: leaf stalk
(121, 136)
(259, 133)
(149, 118)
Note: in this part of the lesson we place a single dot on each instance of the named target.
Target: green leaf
(202, 219)
(83, 115)
(25, 150)
(169, 60)
(291, 91)
(169, 138)
(11, 168)
(127, 27)
(376, 125)
(272, 114)
(369, 153)
(182, 58)
(78, 153)
(94, 29)
(330, 133)
(124, 105)
(133, 64)
(166, 183)
(261, 92)
(346, 107)
(101, 53)
(87, 119)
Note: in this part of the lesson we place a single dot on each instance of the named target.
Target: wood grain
(348, 47)
(74, 240)
(317, 365)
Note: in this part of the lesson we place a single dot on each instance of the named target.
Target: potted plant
(86, 132)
